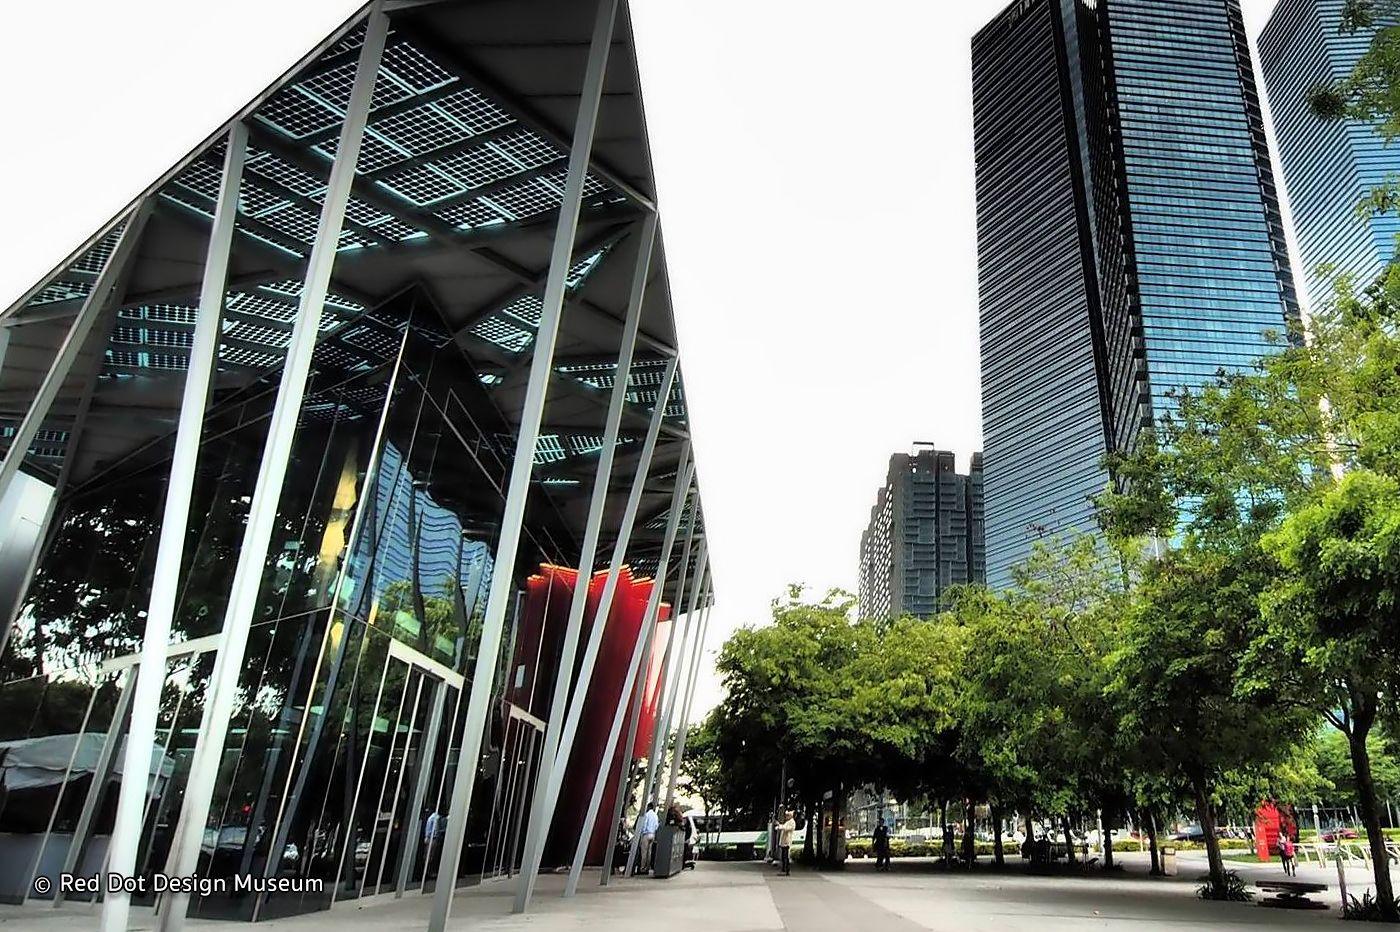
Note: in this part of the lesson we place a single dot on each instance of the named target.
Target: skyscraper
(1329, 165)
(924, 536)
(1129, 240)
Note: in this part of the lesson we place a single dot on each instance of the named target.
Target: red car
(1339, 833)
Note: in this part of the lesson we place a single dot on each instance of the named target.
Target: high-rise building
(924, 536)
(1129, 240)
(1329, 166)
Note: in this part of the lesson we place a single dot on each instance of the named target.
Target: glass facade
(1329, 167)
(1130, 240)
(342, 742)
(369, 608)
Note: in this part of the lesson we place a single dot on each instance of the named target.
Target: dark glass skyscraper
(1329, 166)
(924, 536)
(1130, 242)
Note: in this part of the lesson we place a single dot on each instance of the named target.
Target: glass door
(515, 789)
(393, 828)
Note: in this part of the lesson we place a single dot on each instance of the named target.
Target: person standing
(784, 832)
(882, 846)
(650, 823)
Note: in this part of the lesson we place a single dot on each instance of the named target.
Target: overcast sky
(815, 175)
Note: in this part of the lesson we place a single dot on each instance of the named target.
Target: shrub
(1366, 909)
(1236, 890)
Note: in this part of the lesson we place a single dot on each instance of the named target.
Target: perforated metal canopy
(456, 194)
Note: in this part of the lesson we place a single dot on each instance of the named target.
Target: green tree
(1251, 465)
(1034, 711)
(1331, 758)
(1371, 93)
(1176, 681)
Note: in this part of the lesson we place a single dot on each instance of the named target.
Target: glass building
(1129, 240)
(1329, 166)
(924, 536)
(347, 355)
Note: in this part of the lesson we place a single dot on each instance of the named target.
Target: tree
(1295, 463)
(704, 773)
(1371, 93)
(1336, 610)
(1176, 681)
(1036, 719)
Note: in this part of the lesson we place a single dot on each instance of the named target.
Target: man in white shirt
(785, 829)
(650, 823)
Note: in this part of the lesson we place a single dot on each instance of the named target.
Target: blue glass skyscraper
(1129, 238)
(1328, 166)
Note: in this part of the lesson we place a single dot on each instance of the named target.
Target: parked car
(1190, 833)
(1340, 832)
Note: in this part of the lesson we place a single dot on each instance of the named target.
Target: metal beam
(483, 679)
(442, 152)
(95, 308)
(644, 637)
(538, 828)
(477, 77)
(310, 58)
(683, 726)
(126, 833)
(272, 474)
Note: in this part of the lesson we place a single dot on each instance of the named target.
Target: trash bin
(670, 851)
(1169, 860)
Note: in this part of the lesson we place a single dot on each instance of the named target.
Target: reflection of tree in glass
(88, 596)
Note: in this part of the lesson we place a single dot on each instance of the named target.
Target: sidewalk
(718, 897)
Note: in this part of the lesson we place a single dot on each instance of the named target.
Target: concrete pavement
(916, 895)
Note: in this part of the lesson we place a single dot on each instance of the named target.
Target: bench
(1291, 894)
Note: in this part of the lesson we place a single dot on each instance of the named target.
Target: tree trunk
(1106, 826)
(1156, 870)
(1069, 839)
(1370, 812)
(947, 839)
(1206, 817)
(997, 853)
(835, 821)
(969, 843)
(807, 842)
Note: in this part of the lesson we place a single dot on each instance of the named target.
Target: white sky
(815, 175)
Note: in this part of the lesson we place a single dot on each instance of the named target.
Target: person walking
(882, 846)
(784, 831)
(1287, 851)
(650, 823)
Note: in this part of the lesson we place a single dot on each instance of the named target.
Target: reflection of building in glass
(353, 694)
(1329, 166)
(924, 536)
(1129, 240)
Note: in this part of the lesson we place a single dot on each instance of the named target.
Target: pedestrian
(784, 831)
(650, 823)
(1287, 851)
(882, 846)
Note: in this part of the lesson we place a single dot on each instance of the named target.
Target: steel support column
(683, 726)
(538, 830)
(126, 834)
(661, 730)
(544, 815)
(272, 472)
(97, 786)
(668, 710)
(513, 517)
(93, 309)
(644, 636)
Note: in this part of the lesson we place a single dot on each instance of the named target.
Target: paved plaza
(717, 897)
